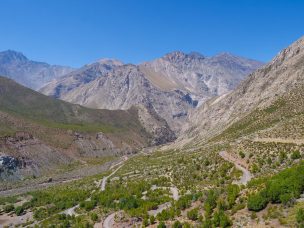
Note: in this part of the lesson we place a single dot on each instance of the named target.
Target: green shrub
(300, 216)
(177, 224)
(90, 205)
(242, 155)
(186, 225)
(295, 155)
(40, 213)
(211, 198)
(8, 208)
(145, 222)
(207, 223)
(19, 210)
(183, 202)
(256, 202)
(152, 219)
(193, 214)
(94, 217)
(161, 225)
(232, 194)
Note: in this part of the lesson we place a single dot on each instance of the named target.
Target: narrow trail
(71, 211)
(104, 180)
(240, 165)
(109, 221)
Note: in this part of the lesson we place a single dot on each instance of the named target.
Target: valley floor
(152, 188)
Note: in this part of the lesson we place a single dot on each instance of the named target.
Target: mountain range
(171, 86)
(199, 141)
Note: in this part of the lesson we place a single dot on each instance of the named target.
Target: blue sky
(76, 32)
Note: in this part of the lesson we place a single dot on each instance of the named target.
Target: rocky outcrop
(29, 73)
(155, 125)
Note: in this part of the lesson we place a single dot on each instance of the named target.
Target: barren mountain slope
(201, 76)
(284, 73)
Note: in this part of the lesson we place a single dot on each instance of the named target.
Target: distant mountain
(27, 72)
(171, 86)
(200, 76)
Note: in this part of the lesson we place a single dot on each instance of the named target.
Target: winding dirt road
(104, 180)
(240, 165)
(109, 221)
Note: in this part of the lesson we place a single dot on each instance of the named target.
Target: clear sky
(76, 32)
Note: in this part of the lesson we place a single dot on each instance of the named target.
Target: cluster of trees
(218, 217)
(284, 188)
(116, 197)
(214, 208)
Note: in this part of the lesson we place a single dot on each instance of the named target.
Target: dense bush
(281, 188)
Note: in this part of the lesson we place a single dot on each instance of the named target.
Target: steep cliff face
(27, 72)
(172, 85)
(283, 74)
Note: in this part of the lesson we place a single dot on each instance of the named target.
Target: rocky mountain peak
(174, 56)
(295, 49)
(11, 56)
(110, 62)
(29, 73)
(196, 55)
(178, 56)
